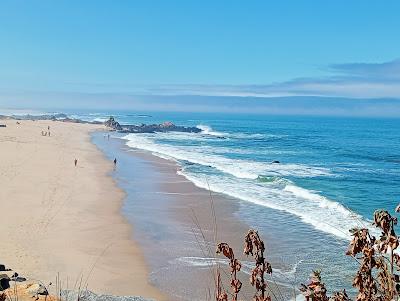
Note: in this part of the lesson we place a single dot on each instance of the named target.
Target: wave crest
(207, 130)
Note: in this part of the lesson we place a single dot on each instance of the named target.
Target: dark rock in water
(275, 162)
(68, 295)
(149, 128)
(4, 282)
(2, 267)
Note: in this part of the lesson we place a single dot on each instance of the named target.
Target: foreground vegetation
(377, 278)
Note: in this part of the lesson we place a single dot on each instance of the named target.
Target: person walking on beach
(76, 162)
(115, 163)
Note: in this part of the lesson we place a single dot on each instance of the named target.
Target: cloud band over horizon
(348, 89)
(354, 80)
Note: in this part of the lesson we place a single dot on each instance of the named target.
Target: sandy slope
(55, 217)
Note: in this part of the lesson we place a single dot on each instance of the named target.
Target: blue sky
(224, 48)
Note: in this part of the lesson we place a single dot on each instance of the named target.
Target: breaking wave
(261, 183)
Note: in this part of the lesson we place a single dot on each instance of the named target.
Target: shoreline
(157, 234)
(66, 219)
(183, 214)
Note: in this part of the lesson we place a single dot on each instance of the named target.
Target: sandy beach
(58, 218)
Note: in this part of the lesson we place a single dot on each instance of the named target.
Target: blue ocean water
(331, 176)
(341, 168)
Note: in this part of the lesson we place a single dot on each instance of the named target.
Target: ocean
(304, 181)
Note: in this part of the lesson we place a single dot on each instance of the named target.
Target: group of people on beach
(46, 133)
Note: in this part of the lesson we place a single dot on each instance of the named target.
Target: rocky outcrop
(149, 128)
(17, 278)
(7, 275)
(112, 124)
(35, 289)
(4, 282)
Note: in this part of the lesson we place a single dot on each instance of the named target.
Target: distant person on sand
(48, 128)
(76, 162)
(115, 162)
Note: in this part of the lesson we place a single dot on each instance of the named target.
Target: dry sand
(58, 218)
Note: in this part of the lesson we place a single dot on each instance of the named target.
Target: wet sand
(174, 221)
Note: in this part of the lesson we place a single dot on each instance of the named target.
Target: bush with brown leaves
(235, 266)
(315, 290)
(376, 279)
(253, 245)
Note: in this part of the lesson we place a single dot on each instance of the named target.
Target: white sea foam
(207, 130)
(239, 179)
(100, 119)
(90, 117)
(280, 276)
(322, 201)
(179, 137)
(299, 297)
(320, 212)
(244, 169)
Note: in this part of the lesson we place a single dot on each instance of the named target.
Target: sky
(63, 52)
